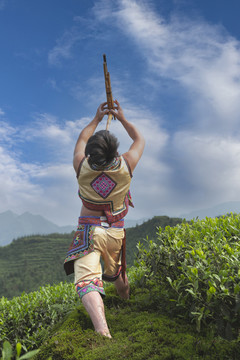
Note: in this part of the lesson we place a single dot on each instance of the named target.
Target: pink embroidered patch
(103, 185)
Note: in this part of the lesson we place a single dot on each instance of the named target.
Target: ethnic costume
(105, 189)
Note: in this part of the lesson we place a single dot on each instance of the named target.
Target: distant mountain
(220, 209)
(13, 226)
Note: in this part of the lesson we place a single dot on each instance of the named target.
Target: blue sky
(175, 68)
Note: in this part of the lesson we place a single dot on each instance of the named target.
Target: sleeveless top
(106, 188)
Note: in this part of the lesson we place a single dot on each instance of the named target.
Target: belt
(99, 221)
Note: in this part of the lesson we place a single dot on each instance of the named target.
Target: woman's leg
(122, 287)
(93, 303)
(88, 274)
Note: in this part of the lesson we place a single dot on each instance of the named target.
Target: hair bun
(101, 148)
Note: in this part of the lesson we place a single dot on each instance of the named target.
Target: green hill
(184, 303)
(30, 262)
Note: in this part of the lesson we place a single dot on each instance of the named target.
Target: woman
(104, 179)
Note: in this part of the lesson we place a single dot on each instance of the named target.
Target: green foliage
(140, 328)
(29, 317)
(7, 352)
(198, 264)
(140, 232)
(139, 333)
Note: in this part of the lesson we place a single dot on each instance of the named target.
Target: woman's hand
(101, 111)
(119, 113)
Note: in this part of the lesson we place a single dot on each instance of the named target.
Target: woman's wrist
(123, 120)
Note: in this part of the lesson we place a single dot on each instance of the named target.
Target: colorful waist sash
(99, 221)
(82, 243)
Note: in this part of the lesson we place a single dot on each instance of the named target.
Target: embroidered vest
(106, 189)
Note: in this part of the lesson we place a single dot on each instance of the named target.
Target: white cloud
(14, 183)
(150, 182)
(83, 29)
(48, 188)
(6, 132)
(64, 46)
(54, 85)
(196, 166)
(54, 135)
(209, 167)
(203, 60)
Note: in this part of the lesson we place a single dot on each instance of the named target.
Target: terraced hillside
(32, 261)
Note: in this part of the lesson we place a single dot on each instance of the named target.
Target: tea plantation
(32, 261)
(184, 304)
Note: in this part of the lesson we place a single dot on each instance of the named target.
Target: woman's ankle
(124, 292)
(104, 332)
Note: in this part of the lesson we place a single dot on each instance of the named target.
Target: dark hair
(101, 148)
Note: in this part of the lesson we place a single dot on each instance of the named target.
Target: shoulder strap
(80, 165)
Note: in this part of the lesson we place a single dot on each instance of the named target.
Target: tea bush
(139, 332)
(29, 317)
(198, 265)
(7, 352)
(140, 327)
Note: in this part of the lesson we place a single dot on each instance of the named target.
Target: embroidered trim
(114, 165)
(103, 185)
(86, 286)
(83, 243)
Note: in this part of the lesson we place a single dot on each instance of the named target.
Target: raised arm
(135, 151)
(86, 133)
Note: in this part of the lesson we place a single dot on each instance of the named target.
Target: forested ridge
(32, 261)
